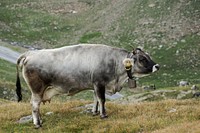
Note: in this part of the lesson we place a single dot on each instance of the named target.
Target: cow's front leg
(95, 106)
(36, 111)
(100, 95)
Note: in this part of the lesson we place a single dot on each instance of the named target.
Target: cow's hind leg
(95, 106)
(37, 87)
(100, 94)
(35, 102)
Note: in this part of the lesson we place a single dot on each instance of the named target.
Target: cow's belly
(74, 88)
(67, 88)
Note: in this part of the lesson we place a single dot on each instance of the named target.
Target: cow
(71, 69)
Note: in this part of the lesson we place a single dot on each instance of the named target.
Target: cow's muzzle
(155, 68)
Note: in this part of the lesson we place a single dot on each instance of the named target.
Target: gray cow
(72, 69)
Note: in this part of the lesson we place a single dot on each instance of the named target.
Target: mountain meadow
(169, 30)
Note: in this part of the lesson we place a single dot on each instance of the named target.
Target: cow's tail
(18, 84)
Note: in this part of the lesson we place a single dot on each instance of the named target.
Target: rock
(160, 46)
(152, 5)
(73, 11)
(49, 113)
(183, 40)
(89, 106)
(172, 110)
(177, 52)
(164, 74)
(5, 92)
(55, 28)
(25, 119)
(182, 94)
(183, 83)
(151, 87)
(196, 94)
(115, 96)
(194, 87)
(154, 40)
(87, 109)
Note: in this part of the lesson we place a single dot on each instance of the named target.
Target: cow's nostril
(157, 66)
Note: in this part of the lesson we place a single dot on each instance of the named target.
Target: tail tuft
(18, 89)
(18, 84)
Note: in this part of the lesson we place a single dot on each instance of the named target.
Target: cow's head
(139, 64)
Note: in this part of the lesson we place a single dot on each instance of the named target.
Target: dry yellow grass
(163, 116)
(187, 127)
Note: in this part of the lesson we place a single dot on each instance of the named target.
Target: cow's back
(77, 65)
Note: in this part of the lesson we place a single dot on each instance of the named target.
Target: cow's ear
(128, 63)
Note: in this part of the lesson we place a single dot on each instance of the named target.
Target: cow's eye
(143, 61)
(142, 58)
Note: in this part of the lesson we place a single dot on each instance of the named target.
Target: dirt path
(8, 54)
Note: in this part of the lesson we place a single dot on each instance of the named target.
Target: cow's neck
(121, 76)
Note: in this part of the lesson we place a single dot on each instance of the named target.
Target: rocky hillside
(123, 23)
(169, 30)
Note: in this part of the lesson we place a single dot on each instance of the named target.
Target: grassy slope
(162, 28)
(168, 30)
(143, 117)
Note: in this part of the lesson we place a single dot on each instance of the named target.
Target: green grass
(7, 71)
(176, 67)
(87, 37)
(7, 81)
(30, 26)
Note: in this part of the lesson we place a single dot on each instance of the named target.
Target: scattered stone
(183, 40)
(177, 52)
(5, 92)
(25, 119)
(55, 28)
(183, 94)
(196, 94)
(172, 110)
(160, 46)
(73, 11)
(183, 83)
(89, 106)
(152, 5)
(164, 74)
(194, 87)
(154, 40)
(151, 87)
(49, 113)
(115, 96)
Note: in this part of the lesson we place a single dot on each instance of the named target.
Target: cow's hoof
(104, 116)
(95, 113)
(38, 126)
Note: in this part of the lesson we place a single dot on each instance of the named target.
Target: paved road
(8, 54)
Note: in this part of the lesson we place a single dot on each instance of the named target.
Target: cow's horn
(135, 51)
